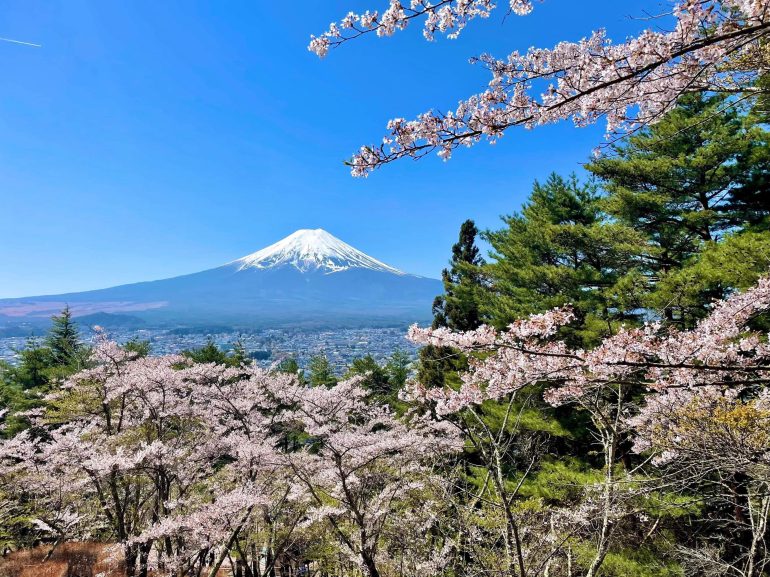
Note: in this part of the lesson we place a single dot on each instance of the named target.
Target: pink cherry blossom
(720, 351)
(630, 83)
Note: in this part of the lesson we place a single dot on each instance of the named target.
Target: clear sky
(148, 139)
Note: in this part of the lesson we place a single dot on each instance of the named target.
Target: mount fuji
(309, 278)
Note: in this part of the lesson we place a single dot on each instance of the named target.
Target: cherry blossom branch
(630, 84)
(719, 351)
(447, 17)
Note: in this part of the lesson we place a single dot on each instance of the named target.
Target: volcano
(308, 278)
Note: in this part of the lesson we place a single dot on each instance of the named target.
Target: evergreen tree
(141, 348)
(32, 370)
(208, 353)
(718, 270)
(397, 367)
(685, 184)
(563, 249)
(238, 355)
(321, 372)
(211, 353)
(376, 378)
(288, 365)
(41, 365)
(458, 308)
(63, 340)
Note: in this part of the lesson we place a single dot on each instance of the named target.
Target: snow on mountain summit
(312, 249)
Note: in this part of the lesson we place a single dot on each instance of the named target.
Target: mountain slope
(308, 277)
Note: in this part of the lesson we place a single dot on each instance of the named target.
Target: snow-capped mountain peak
(312, 249)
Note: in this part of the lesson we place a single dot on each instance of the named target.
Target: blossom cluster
(719, 351)
(630, 84)
(163, 450)
(447, 17)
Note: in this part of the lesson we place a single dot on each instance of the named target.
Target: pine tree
(208, 353)
(139, 347)
(560, 249)
(686, 183)
(34, 364)
(376, 378)
(458, 308)
(321, 372)
(63, 340)
(397, 367)
(239, 355)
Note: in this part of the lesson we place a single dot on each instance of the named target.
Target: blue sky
(149, 139)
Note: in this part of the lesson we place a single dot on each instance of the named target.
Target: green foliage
(680, 180)
(320, 372)
(383, 381)
(141, 348)
(32, 371)
(63, 340)
(438, 366)
(561, 482)
(290, 366)
(562, 248)
(376, 379)
(14, 399)
(687, 183)
(458, 308)
(41, 366)
(398, 366)
(720, 268)
(677, 215)
(682, 206)
(211, 353)
(638, 561)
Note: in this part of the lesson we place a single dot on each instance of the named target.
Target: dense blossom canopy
(175, 460)
(719, 351)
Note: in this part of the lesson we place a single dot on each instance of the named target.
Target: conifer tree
(208, 353)
(562, 248)
(688, 183)
(288, 365)
(321, 372)
(63, 340)
(376, 378)
(458, 308)
(397, 368)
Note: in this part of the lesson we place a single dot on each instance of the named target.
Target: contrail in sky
(20, 42)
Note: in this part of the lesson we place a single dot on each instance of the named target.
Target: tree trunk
(609, 489)
(221, 557)
(130, 554)
(371, 567)
(254, 560)
(144, 556)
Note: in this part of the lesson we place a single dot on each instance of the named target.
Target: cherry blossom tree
(153, 452)
(712, 443)
(250, 503)
(188, 465)
(370, 473)
(710, 45)
(721, 353)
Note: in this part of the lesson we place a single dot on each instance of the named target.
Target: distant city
(269, 346)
